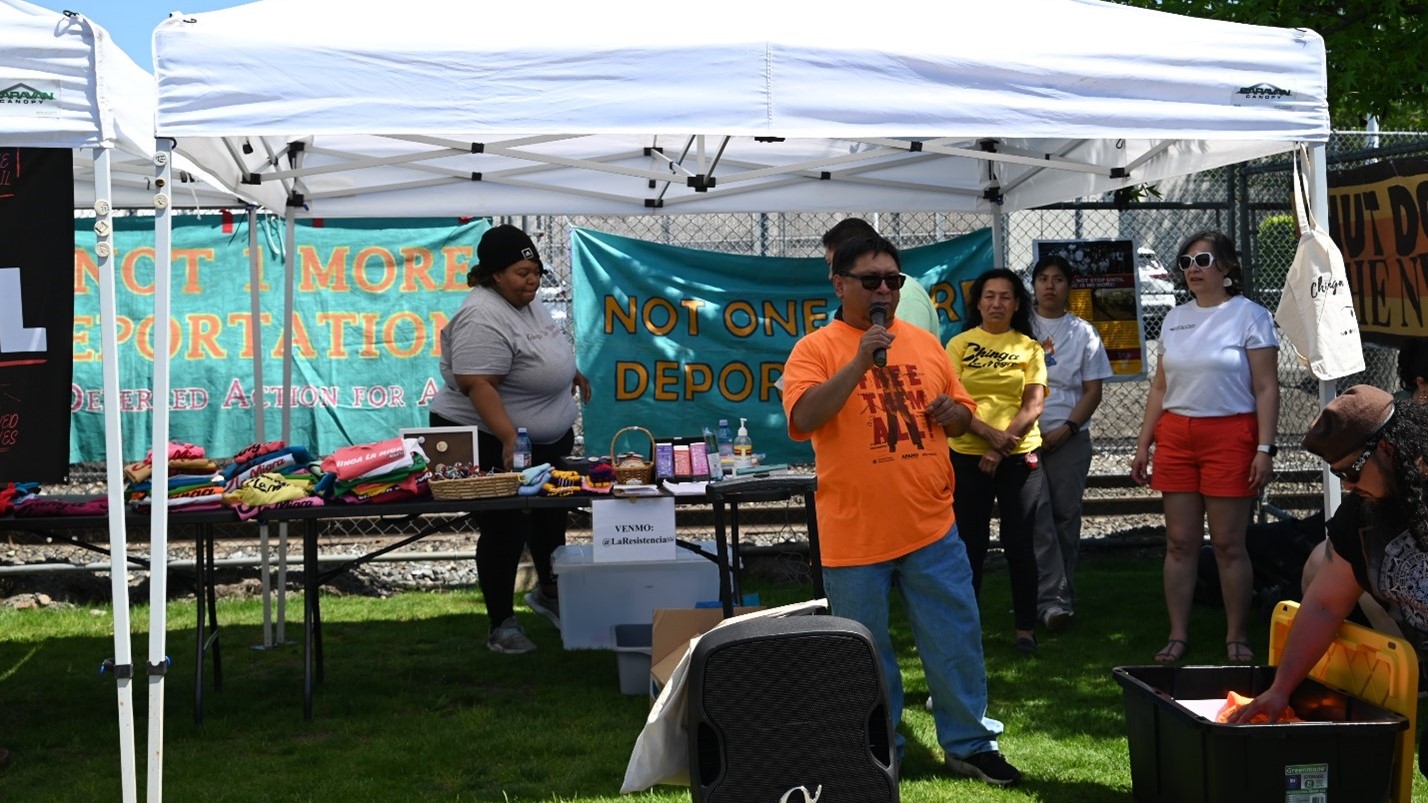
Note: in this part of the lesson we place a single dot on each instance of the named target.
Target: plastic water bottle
(726, 441)
(521, 458)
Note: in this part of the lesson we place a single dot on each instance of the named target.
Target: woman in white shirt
(1211, 413)
(1076, 364)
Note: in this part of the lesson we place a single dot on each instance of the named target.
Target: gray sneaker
(546, 606)
(1057, 619)
(509, 638)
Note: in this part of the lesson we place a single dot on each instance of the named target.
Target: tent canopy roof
(102, 99)
(621, 107)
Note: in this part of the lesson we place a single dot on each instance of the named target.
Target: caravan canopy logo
(1262, 91)
(21, 93)
(30, 99)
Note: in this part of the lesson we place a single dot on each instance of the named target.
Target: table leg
(815, 553)
(309, 612)
(200, 568)
(735, 554)
(215, 638)
(721, 550)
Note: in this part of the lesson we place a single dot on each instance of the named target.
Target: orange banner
(1378, 216)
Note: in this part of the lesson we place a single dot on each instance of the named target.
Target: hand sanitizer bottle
(743, 446)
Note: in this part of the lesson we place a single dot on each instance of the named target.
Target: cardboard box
(672, 630)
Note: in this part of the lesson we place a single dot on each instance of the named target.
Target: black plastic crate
(1344, 751)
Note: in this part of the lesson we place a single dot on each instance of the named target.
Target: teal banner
(370, 298)
(674, 339)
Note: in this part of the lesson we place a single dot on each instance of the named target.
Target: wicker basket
(625, 475)
(505, 484)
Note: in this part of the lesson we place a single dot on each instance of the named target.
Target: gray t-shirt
(488, 336)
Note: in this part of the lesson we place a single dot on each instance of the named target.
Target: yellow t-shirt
(995, 370)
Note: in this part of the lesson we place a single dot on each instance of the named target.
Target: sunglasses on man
(1204, 259)
(1354, 471)
(870, 281)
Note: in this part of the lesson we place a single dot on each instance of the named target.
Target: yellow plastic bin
(1370, 666)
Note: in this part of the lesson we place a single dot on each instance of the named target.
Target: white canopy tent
(623, 108)
(104, 103)
(70, 58)
(323, 108)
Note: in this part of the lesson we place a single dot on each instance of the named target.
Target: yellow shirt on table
(995, 370)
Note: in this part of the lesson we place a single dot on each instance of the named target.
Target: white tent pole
(255, 284)
(159, 518)
(999, 237)
(290, 268)
(1319, 203)
(114, 473)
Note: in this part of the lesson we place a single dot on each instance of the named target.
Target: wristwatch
(1269, 449)
(1073, 426)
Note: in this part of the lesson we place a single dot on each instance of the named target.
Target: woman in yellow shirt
(1003, 368)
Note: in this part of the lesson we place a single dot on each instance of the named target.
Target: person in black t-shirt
(1380, 451)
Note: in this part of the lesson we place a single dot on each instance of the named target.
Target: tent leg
(159, 520)
(255, 288)
(289, 269)
(114, 475)
(1328, 389)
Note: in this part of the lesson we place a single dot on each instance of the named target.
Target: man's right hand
(876, 337)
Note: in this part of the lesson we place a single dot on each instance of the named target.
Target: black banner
(1378, 216)
(36, 312)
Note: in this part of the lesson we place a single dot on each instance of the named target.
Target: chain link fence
(1250, 202)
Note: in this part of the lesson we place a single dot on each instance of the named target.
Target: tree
(1376, 48)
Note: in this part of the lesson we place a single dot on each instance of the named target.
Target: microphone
(878, 313)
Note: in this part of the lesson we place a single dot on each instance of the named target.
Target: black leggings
(1017, 490)
(505, 533)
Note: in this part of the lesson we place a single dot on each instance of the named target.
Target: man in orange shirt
(884, 496)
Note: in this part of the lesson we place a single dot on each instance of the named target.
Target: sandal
(1175, 649)
(1239, 652)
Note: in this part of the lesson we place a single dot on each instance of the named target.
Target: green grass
(415, 708)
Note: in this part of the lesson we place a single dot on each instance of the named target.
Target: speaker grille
(794, 710)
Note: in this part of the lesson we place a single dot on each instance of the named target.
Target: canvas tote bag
(1316, 310)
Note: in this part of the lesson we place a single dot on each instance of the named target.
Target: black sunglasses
(1204, 259)
(872, 280)
(1355, 469)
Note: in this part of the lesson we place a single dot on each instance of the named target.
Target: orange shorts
(1209, 456)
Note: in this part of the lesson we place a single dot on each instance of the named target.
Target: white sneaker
(546, 606)
(509, 638)
(929, 702)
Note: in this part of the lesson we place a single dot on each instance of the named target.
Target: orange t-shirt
(885, 479)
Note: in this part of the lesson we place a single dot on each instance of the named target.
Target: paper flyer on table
(685, 488)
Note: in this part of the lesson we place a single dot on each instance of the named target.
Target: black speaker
(781, 703)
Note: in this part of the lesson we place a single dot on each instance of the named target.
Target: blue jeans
(936, 587)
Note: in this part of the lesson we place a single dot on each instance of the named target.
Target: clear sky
(131, 23)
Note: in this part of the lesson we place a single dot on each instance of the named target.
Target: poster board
(633, 530)
(1106, 293)
(36, 312)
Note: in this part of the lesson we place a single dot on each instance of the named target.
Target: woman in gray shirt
(506, 363)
